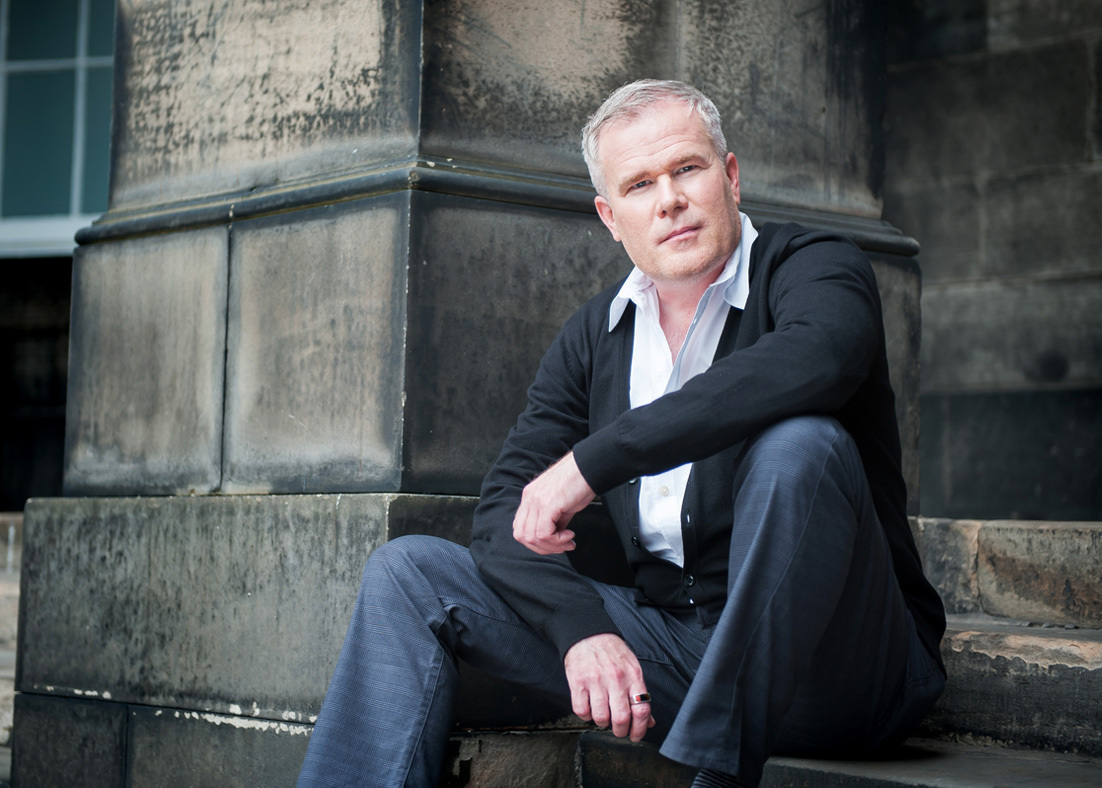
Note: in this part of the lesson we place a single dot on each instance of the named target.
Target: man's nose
(670, 196)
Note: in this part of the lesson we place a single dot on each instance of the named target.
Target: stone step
(1044, 572)
(606, 762)
(1030, 686)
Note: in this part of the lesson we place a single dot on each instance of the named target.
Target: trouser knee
(802, 445)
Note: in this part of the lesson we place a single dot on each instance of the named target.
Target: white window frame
(46, 236)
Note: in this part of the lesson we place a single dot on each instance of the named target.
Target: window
(55, 121)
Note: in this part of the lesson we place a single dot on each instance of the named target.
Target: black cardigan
(811, 340)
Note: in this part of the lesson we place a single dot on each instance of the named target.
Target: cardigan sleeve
(822, 327)
(545, 591)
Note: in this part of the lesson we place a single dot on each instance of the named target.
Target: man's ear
(730, 164)
(604, 210)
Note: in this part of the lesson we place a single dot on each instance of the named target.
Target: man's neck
(677, 303)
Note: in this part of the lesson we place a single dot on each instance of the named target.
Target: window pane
(97, 141)
(41, 29)
(38, 143)
(101, 28)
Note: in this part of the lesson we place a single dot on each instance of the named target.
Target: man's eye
(637, 185)
(687, 168)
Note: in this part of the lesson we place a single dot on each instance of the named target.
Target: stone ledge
(1025, 686)
(1045, 572)
(606, 762)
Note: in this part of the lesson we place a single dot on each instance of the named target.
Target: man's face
(672, 201)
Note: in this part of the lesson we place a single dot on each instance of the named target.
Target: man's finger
(641, 718)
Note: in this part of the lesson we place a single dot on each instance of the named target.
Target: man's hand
(603, 674)
(547, 505)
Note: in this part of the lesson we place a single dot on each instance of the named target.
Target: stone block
(948, 551)
(170, 748)
(933, 30)
(800, 95)
(1030, 455)
(1024, 686)
(607, 762)
(1015, 23)
(1003, 112)
(1043, 572)
(1097, 137)
(1042, 223)
(490, 285)
(315, 368)
(1017, 334)
(215, 97)
(147, 347)
(513, 84)
(511, 760)
(68, 742)
(233, 604)
(946, 218)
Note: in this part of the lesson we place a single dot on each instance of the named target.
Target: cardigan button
(633, 481)
(689, 581)
(635, 541)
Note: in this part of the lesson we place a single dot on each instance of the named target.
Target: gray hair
(630, 101)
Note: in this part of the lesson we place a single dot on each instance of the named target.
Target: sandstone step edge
(1021, 569)
(1021, 685)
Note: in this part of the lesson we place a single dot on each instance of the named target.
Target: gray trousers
(814, 650)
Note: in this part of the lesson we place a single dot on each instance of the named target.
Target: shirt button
(665, 491)
(689, 581)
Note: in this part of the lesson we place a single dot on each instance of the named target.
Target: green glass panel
(101, 28)
(42, 29)
(97, 141)
(38, 143)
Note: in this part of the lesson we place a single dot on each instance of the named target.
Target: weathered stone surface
(991, 112)
(925, 763)
(1043, 223)
(1030, 455)
(233, 604)
(1044, 572)
(800, 93)
(1013, 23)
(607, 762)
(231, 95)
(513, 83)
(170, 748)
(144, 409)
(68, 742)
(1006, 335)
(490, 285)
(511, 760)
(314, 387)
(899, 284)
(1025, 686)
(948, 552)
(929, 30)
(946, 218)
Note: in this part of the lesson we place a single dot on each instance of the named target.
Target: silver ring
(642, 697)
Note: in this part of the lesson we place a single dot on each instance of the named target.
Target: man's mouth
(679, 232)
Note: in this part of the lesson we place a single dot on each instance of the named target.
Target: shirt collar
(734, 279)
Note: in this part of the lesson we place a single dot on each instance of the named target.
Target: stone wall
(994, 162)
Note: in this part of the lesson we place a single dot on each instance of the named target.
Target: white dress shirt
(654, 372)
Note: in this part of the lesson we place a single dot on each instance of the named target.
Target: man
(730, 403)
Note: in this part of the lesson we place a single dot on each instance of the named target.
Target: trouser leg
(386, 717)
(813, 640)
